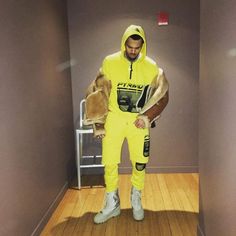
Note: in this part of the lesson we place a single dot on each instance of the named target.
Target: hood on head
(134, 29)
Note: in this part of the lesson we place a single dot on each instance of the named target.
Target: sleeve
(157, 101)
(96, 103)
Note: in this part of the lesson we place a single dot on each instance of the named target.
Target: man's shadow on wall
(163, 223)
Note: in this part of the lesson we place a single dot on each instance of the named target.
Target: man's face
(133, 48)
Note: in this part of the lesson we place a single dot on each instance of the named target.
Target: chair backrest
(81, 113)
(81, 116)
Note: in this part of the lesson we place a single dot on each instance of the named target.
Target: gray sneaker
(111, 208)
(138, 212)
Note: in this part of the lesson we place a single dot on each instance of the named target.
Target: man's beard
(131, 58)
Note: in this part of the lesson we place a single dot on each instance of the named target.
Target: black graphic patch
(128, 96)
(140, 166)
(146, 146)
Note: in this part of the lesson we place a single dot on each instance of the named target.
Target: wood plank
(169, 207)
(183, 217)
(161, 216)
(191, 217)
(191, 188)
(151, 209)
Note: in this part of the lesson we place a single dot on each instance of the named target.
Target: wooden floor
(170, 202)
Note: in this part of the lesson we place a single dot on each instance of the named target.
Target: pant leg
(139, 145)
(111, 150)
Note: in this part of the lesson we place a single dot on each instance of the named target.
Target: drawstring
(131, 70)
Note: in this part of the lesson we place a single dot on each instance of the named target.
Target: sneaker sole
(115, 213)
(138, 219)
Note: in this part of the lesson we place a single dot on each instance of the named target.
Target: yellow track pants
(118, 127)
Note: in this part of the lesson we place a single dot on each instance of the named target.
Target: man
(137, 95)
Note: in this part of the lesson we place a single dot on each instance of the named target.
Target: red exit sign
(163, 18)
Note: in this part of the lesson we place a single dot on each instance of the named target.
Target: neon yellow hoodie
(128, 79)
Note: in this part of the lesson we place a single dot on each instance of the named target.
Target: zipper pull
(130, 70)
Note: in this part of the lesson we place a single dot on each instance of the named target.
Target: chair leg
(78, 156)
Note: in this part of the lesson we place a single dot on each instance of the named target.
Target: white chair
(80, 132)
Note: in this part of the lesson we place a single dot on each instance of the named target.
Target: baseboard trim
(199, 231)
(50, 210)
(164, 169)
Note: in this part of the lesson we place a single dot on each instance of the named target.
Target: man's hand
(100, 136)
(98, 130)
(139, 123)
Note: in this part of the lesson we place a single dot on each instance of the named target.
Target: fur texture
(157, 100)
(96, 104)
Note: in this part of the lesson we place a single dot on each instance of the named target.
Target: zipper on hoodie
(130, 70)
